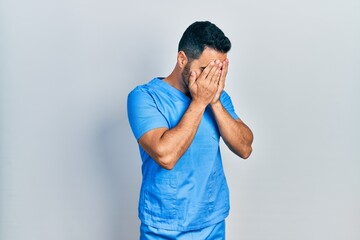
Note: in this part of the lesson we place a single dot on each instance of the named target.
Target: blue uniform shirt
(194, 194)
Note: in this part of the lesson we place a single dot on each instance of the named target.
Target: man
(178, 121)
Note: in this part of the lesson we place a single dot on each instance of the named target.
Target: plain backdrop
(70, 167)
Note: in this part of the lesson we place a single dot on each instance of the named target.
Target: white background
(70, 167)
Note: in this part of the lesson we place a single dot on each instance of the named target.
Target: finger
(207, 70)
(213, 76)
(224, 70)
(192, 78)
(217, 75)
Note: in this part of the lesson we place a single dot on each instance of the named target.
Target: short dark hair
(200, 35)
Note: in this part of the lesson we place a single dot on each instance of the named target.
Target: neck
(175, 79)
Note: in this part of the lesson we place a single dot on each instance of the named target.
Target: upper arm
(143, 113)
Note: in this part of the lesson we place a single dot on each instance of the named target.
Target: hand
(221, 85)
(204, 87)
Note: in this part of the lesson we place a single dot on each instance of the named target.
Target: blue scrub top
(194, 194)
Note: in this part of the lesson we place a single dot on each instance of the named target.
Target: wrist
(199, 104)
(216, 104)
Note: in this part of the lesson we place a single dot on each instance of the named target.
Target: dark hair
(200, 35)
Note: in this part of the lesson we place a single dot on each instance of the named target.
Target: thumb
(192, 78)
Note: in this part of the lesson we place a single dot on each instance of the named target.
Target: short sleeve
(143, 113)
(227, 103)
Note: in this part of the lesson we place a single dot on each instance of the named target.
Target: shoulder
(224, 96)
(142, 91)
(144, 87)
(225, 99)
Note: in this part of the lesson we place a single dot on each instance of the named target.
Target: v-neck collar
(171, 90)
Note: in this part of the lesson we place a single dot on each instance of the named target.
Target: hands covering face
(207, 87)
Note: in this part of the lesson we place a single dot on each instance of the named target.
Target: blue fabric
(214, 232)
(194, 194)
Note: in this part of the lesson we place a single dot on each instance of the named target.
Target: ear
(182, 59)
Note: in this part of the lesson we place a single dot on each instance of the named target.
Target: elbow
(168, 167)
(241, 150)
(246, 152)
(161, 153)
(166, 163)
(165, 160)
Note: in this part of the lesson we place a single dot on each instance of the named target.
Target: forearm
(236, 135)
(175, 141)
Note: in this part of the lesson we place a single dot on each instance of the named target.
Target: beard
(185, 75)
